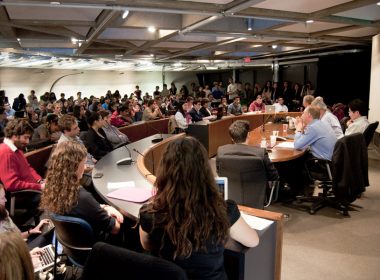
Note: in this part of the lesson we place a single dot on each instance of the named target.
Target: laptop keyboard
(46, 258)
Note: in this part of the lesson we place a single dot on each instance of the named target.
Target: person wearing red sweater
(15, 171)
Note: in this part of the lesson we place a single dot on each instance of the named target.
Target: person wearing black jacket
(96, 140)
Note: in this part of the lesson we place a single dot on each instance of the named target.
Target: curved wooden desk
(215, 134)
(276, 154)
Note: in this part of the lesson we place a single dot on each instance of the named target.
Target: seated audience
(235, 108)
(312, 133)
(64, 195)
(239, 132)
(257, 105)
(15, 171)
(152, 111)
(187, 221)
(114, 136)
(327, 117)
(48, 131)
(357, 110)
(280, 106)
(195, 113)
(96, 141)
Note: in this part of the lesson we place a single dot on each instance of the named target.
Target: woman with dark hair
(80, 114)
(187, 221)
(96, 140)
(182, 117)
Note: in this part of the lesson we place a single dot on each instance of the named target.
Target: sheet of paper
(286, 144)
(138, 195)
(117, 185)
(256, 222)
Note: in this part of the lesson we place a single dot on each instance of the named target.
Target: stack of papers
(256, 222)
(289, 145)
(129, 192)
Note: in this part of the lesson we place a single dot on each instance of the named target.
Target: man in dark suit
(239, 131)
(195, 113)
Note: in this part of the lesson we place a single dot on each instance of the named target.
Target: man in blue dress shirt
(313, 133)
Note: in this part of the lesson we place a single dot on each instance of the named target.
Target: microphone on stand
(127, 160)
(156, 140)
(135, 150)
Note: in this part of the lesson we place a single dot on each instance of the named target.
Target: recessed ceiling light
(249, 28)
(309, 21)
(256, 46)
(151, 55)
(151, 29)
(55, 3)
(125, 14)
(274, 46)
(18, 39)
(378, 3)
(74, 40)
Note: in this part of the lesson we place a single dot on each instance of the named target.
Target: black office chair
(370, 131)
(247, 179)
(110, 262)
(342, 179)
(23, 206)
(76, 237)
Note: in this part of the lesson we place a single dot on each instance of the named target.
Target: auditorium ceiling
(179, 35)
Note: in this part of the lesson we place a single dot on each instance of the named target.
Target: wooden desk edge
(140, 159)
(274, 216)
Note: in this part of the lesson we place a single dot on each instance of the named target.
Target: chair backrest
(172, 124)
(350, 167)
(75, 235)
(110, 262)
(247, 179)
(370, 131)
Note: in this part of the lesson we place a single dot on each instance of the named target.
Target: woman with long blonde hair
(64, 195)
(188, 221)
(15, 260)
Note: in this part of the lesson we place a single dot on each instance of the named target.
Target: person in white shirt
(279, 106)
(327, 117)
(231, 89)
(358, 121)
(181, 117)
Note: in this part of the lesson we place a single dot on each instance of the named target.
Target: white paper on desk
(256, 222)
(286, 144)
(117, 185)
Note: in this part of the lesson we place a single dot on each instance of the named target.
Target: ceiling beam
(103, 21)
(81, 23)
(6, 29)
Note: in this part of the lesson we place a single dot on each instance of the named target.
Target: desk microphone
(156, 140)
(138, 152)
(127, 160)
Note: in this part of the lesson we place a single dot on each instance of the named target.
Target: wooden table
(276, 154)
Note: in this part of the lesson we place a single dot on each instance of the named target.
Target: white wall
(19, 80)
(374, 94)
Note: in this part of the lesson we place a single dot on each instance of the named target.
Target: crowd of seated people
(162, 236)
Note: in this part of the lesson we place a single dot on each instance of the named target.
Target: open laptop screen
(222, 185)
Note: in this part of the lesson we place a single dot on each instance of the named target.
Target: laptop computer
(222, 184)
(270, 109)
(46, 258)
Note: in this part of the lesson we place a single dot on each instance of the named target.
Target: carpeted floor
(328, 245)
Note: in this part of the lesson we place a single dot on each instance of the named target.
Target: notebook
(137, 195)
(222, 184)
(270, 109)
(46, 258)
